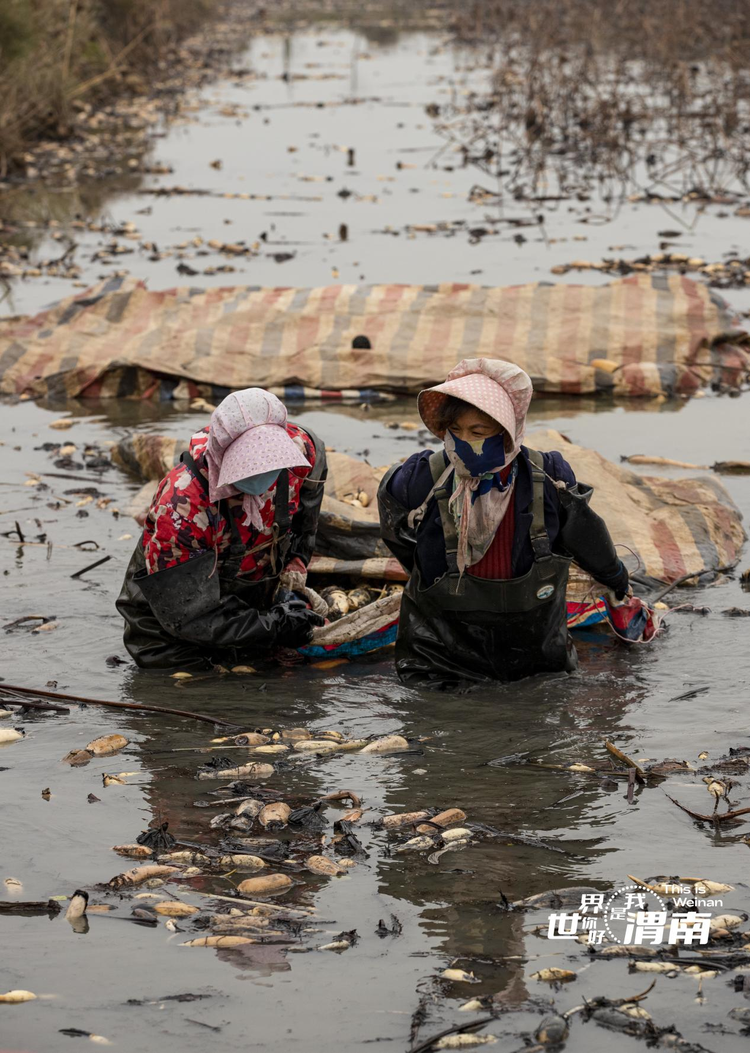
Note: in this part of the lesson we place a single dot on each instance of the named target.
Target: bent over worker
(487, 529)
(217, 573)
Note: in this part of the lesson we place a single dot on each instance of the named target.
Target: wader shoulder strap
(538, 532)
(440, 475)
(319, 470)
(281, 518)
(187, 459)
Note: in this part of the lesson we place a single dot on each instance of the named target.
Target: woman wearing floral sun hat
(487, 529)
(223, 556)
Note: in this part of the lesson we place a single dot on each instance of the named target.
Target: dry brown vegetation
(54, 54)
(643, 96)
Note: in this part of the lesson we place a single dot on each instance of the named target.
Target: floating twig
(715, 817)
(91, 566)
(117, 705)
(623, 758)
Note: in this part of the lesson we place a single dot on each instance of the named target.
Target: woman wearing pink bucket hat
(227, 541)
(487, 529)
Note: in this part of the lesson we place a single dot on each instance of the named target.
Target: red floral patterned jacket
(181, 521)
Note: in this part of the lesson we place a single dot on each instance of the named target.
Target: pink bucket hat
(248, 436)
(498, 388)
(263, 448)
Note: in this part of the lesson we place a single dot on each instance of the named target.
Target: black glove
(294, 623)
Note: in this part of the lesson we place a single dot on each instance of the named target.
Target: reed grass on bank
(57, 53)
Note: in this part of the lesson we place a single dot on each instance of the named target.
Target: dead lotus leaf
(172, 908)
(107, 745)
(268, 885)
(669, 765)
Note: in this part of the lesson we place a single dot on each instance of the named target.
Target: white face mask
(257, 484)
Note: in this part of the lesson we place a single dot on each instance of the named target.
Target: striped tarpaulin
(646, 334)
(664, 527)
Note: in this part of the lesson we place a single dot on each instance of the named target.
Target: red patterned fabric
(181, 521)
(497, 560)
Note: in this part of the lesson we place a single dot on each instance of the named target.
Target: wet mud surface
(126, 981)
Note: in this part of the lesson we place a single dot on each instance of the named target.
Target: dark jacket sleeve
(402, 489)
(583, 533)
(305, 520)
(411, 481)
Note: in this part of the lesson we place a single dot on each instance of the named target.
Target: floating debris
(459, 976)
(269, 885)
(77, 906)
(16, 997)
(387, 744)
(552, 1031)
(138, 875)
(219, 941)
(324, 866)
(464, 1041)
(175, 909)
(223, 768)
(8, 735)
(554, 975)
(107, 745)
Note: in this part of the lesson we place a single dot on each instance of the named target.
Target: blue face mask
(257, 484)
(481, 455)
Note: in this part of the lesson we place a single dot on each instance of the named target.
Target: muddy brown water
(323, 1001)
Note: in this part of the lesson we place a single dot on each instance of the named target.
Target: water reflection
(457, 901)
